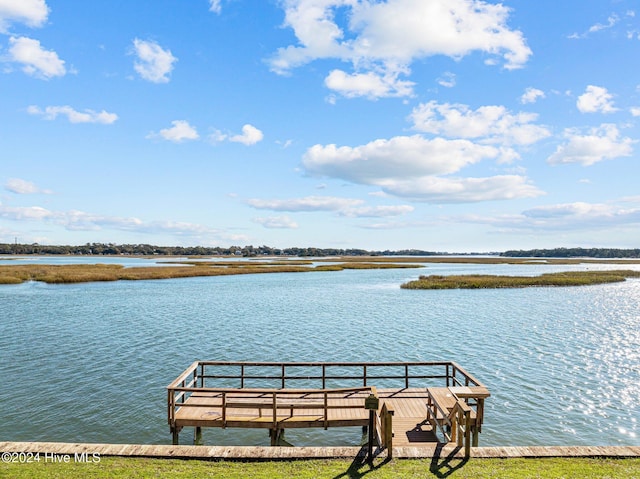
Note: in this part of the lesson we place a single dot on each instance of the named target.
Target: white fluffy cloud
(581, 215)
(531, 95)
(347, 207)
(179, 132)
(215, 6)
(369, 84)
(382, 39)
(413, 167)
(250, 135)
(577, 216)
(596, 99)
(32, 13)
(277, 222)
(492, 124)
(433, 189)
(377, 211)
(74, 116)
(399, 157)
(309, 203)
(20, 213)
(75, 220)
(153, 63)
(35, 60)
(447, 80)
(577, 209)
(602, 143)
(23, 187)
(598, 27)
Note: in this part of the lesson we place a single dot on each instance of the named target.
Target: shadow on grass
(361, 465)
(445, 466)
(440, 466)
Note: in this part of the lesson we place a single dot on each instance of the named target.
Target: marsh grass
(83, 273)
(473, 281)
(478, 260)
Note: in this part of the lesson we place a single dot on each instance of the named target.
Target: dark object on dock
(408, 406)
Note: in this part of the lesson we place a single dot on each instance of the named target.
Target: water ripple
(91, 362)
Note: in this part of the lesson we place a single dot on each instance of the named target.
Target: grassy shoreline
(84, 273)
(474, 281)
(566, 468)
(81, 273)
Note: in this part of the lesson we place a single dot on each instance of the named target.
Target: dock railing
(454, 424)
(384, 428)
(275, 380)
(282, 375)
(271, 400)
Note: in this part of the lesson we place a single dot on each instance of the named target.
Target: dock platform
(398, 404)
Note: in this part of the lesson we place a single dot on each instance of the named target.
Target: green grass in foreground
(117, 467)
(475, 281)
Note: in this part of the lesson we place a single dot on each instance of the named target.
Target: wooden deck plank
(412, 432)
(265, 452)
(410, 406)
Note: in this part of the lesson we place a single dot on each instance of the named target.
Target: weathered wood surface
(410, 425)
(296, 410)
(410, 428)
(275, 453)
(409, 422)
(219, 394)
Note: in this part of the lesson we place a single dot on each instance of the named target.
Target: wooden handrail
(385, 424)
(469, 379)
(271, 390)
(364, 372)
(213, 384)
(186, 373)
(272, 399)
(460, 421)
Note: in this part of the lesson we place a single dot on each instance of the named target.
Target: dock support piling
(277, 437)
(370, 442)
(197, 436)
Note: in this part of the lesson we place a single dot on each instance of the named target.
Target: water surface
(90, 362)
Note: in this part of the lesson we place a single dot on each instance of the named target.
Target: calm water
(90, 362)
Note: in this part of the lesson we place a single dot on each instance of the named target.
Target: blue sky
(447, 125)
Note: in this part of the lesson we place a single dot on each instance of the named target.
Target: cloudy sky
(447, 125)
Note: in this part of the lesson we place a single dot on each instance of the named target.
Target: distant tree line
(151, 250)
(252, 251)
(574, 253)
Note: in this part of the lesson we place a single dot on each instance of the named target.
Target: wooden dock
(399, 404)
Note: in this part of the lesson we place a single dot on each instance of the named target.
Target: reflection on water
(90, 362)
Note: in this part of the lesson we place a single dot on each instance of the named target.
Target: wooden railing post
(467, 433)
(224, 410)
(386, 424)
(326, 410)
(275, 412)
(283, 375)
(460, 419)
(406, 376)
(455, 437)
